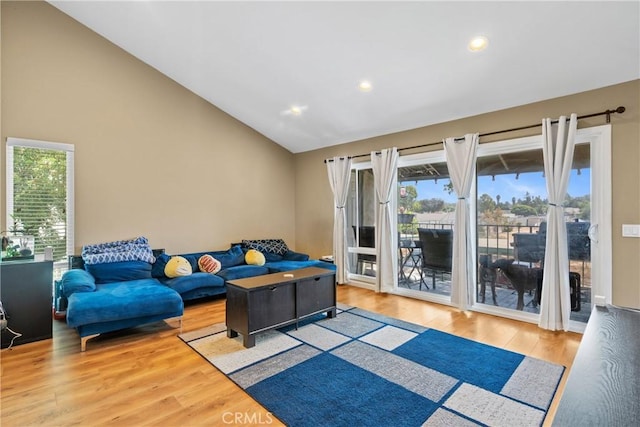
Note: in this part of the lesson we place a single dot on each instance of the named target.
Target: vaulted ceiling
(291, 70)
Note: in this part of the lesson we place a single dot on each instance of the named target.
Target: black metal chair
(367, 235)
(437, 252)
(528, 247)
(410, 256)
(578, 241)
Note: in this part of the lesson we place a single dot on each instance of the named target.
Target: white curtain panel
(557, 149)
(385, 169)
(339, 171)
(461, 162)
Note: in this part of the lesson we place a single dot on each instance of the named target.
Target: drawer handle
(316, 278)
(273, 288)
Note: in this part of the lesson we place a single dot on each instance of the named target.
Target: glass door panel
(511, 230)
(577, 208)
(361, 224)
(511, 206)
(426, 214)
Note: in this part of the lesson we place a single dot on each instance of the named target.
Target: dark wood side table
(603, 388)
(260, 303)
(26, 294)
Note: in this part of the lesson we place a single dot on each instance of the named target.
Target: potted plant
(17, 244)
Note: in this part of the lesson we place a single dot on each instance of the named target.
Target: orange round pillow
(209, 264)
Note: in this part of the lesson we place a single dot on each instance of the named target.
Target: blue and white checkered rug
(361, 368)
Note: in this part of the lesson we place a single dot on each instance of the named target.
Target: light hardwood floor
(148, 376)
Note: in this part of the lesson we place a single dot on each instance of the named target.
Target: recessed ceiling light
(478, 43)
(294, 110)
(365, 86)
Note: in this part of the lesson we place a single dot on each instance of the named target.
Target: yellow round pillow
(208, 264)
(254, 257)
(177, 267)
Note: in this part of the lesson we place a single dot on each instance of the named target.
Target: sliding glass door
(361, 225)
(511, 207)
(425, 221)
(510, 201)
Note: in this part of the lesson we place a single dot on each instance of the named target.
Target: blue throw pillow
(295, 256)
(119, 271)
(157, 269)
(77, 281)
(231, 257)
(271, 257)
(193, 261)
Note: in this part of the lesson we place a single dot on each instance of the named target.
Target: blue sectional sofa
(111, 296)
(199, 284)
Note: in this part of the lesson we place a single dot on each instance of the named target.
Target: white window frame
(45, 145)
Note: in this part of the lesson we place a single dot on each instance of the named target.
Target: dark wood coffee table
(260, 303)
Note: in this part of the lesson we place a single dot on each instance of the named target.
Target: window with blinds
(40, 194)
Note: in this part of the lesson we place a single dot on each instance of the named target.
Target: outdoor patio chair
(367, 240)
(437, 252)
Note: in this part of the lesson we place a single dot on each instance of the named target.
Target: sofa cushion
(119, 271)
(229, 258)
(77, 281)
(242, 271)
(295, 256)
(122, 300)
(203, 292)
(196, 280)
(271, 257)
(276, 246)
(277, 267)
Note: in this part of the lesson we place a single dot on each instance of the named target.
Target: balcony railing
(493, 239)
(521, 242)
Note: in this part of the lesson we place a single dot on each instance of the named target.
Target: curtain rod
(607, 113)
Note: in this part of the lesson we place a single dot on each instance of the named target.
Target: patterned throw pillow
(273, 246)
(208, 264)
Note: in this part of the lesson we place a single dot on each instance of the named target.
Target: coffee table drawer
(271, 306)
(316, 294)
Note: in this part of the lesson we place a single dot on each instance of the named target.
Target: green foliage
(448, 187)
(523, 210)
(40, 194)
(430, 205)
(406, 203)
(486, 203)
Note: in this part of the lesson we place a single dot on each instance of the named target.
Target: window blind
(40, 193)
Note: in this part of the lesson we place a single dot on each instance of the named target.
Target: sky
(507, 186)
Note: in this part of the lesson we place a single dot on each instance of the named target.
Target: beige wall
(151, 158)
(314, 214)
